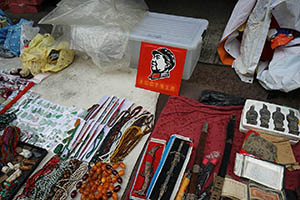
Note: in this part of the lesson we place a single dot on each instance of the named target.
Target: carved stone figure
(293, 123)
(251, 116)
(265, 116)
(278, 118)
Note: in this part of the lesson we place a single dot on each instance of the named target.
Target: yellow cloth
(44, 55)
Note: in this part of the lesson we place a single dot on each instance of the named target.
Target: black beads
(119, 180)
(117, 188)
(78, 185)
(73, 194)
(115, 172)
(85, 177)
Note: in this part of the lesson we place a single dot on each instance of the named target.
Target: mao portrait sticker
(160, 68)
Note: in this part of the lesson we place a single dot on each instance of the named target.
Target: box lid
(171, 30)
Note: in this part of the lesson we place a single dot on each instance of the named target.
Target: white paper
(263, 172)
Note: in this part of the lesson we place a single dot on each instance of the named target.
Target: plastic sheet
(27, 34)
(98, 27)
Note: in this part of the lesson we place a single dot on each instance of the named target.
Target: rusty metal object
(148, 172)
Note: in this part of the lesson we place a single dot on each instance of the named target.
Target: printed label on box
(160, 68)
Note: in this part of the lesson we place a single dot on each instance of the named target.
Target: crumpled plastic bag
(10, 37)
(99, 28)
(28, 32)
(45, 55)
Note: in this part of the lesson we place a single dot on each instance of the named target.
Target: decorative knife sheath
(216, 190)
(196, 167)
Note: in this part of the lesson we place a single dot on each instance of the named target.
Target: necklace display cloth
(185, 117)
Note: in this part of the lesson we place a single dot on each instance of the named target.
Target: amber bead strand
(102, 182)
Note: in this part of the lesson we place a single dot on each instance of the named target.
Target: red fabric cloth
(185, 117)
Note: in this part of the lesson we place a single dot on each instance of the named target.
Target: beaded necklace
(65, 185)
(132, 136)
(32, 181)
(114, 134)
(44, 184)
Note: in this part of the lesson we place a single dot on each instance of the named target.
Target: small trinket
(14, 176)
(19, 150)
(19, 158)
(108, 167)
(26, 153)
(264, 116)
(278, 118)
(58, 149)
(121, 172)
(114, 196)
(5, 169)
(29, 162)
(10, 165)
(251, 116)
(17, 166)
(26, 167)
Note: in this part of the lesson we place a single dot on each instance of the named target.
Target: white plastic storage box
(169, 30)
